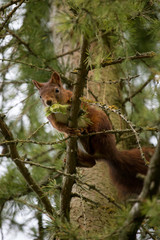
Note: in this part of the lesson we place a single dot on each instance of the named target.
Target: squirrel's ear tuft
(55, 78)
(38, 84)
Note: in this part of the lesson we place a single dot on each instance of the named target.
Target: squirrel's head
(52, 91)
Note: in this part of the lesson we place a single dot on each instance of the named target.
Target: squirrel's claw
(76, 131)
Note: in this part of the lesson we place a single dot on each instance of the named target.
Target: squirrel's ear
(55, 78)
(38, 84)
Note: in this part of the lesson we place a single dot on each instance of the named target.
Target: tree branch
(21, 41)
(28, 64)
(24, 171)
(122, 59)
(13, 141)
(118, 131)
(138, 91)
(3, 7)
(72, 176)
(72, 142)
(66, 53)
(11, 14)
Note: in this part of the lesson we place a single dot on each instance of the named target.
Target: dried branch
(3, 7)
(119, 131)
(10, 14)
(13, 82)
(40, 226)
(72, 142)
(149, 233)
(138, 91)
(28, 64)
(93, 95)
(53, 169)
(71, 51)
(5, 155)
(24, 171)
(33, 206)
(21, 41)
(72, 176)
(28, 190)
(85, 199)
(122, 59)
(150, 189)
(66, 53)
(13, 141)
(27, 46)
(35, 132)
(40, 154)
(129, 78)
(47, 69)
(93, 187)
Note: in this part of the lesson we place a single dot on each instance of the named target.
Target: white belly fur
(63, 118)
(80, 146)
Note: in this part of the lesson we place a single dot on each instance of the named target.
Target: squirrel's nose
(49, 102)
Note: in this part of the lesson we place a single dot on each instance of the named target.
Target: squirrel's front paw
(75, 131)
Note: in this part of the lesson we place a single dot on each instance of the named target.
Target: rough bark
(94, 217)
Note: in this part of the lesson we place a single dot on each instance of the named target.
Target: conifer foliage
(80, 40)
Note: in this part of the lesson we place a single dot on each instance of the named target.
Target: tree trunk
(90, 211)
(89, 216)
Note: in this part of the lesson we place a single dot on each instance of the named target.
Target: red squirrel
(123, 165)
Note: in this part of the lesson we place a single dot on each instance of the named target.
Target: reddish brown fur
(124, 165)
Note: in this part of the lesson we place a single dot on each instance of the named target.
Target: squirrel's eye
(57, 90)
(40, 96)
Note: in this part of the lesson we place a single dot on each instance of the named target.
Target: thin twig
(10, 15)
(66, 53)
(33, 206)
(13, 82)
(13, 141)
(21, 41)
(41, 126)
(28, 64)
(85, 199)
(129, 78)
(27, 189)
(138, 91)
(71, 176)
(5, 155)
(122, 59)
(120, 131)
(148, 232)
(93, 187)
(3, 7)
